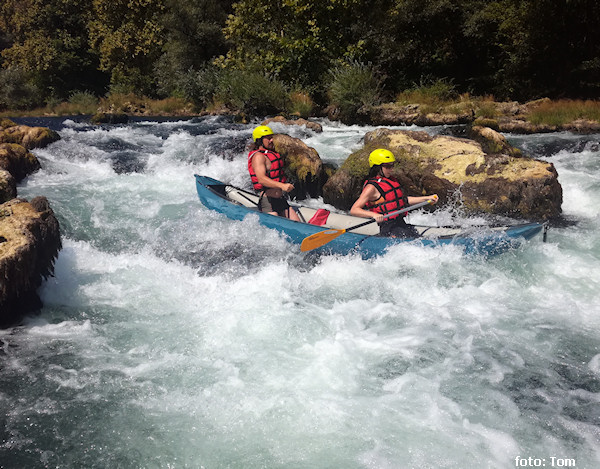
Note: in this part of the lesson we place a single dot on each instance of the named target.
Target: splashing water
(172, 337)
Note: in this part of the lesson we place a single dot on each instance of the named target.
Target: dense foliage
(213, 52)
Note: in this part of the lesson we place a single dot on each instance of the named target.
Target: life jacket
(392, 198)
(275, 172)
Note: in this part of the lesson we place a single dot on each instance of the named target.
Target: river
(172, 337)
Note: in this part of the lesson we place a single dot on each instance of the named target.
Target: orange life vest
(275, 172)
(392, 198)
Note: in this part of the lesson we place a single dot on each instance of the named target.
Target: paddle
(323, 237)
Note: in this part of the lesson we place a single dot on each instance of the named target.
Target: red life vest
(275, 172)
(392, 197)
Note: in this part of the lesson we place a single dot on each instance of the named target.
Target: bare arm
(416, 200)
(368, 194)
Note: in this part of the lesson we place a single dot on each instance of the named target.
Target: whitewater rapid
(173, 337)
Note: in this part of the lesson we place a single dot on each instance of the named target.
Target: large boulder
(485, 173)
(29, 244)
(303, 165)
(15, 164)
(28, 137)
(19, 162)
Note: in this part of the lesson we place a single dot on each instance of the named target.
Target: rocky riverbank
(509, 117)
(29, 230)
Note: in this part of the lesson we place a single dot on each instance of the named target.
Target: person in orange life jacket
(382, 194)
(266, 172)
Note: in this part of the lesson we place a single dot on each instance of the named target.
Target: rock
(314, 126)
(499, 182)
(5, 123)
(412, 114)
(583, 126)
(8, 186)
(392, 114)
(303, 164)
(28, 137)
(109, 118)
(29, 244)
(15, 159)
(492, 141)
(522, 126)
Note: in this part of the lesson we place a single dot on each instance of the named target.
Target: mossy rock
(498, 183)
(8, 186)
(19, 162)
(29, 244)
(303, 165)
(5, 123)
(487, 122)
(29, 137)
(109, 118)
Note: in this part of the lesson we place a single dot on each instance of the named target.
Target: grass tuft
(556, 113)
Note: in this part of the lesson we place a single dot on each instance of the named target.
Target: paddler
(382, 194)
(265, 166)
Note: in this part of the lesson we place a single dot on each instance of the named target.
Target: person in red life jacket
(266, 172)
(382, 194)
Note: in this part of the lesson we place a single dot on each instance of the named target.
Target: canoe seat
(340, 221)
(244, 198)
(334, 220)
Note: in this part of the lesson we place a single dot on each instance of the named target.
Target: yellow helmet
(380, 156)
(260, 132)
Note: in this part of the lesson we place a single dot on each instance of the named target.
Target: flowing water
(172, 337)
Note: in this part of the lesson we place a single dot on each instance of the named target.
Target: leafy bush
(167, 106)
(352, 87)
(486, 108)
(83, 102)
(301, 104)
(432, 92)
(17, 91)
(251, 92)
(199, 86)
(122, 102)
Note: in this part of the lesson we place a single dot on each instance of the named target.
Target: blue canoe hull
(484, 241)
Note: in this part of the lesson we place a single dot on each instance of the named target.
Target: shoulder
(370, 187)
(372, 183)
(256, 154)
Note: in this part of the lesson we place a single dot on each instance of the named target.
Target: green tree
(49, 44)
(128, 37)
(193, 37)
(416, 40)
(295, 40)
(549, 48)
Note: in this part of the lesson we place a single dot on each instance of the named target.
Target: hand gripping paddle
(323, 237)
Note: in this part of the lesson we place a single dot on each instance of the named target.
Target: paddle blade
(319, 239)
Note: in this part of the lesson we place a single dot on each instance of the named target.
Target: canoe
(236, 204)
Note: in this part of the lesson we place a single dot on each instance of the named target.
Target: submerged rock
(29, 244)
(487, 173)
